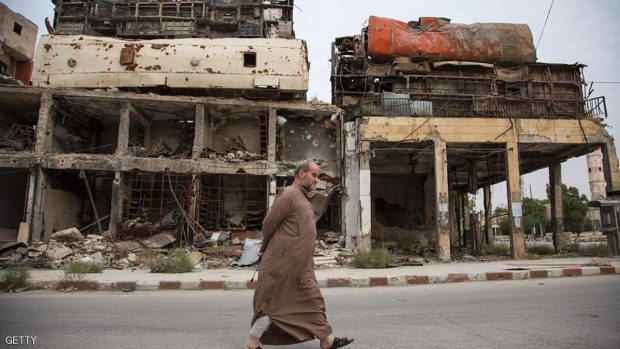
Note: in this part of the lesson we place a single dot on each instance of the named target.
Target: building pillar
(442, 202)
(350, 199)
(123, 129)
(489, 239)
(515, 204)
(199, 129)
(365, 201)
(272, 191)
(116, 211)
(45, 125)
(557, 211)
(36, 211)
(271, 135)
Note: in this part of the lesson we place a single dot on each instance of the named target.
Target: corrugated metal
(438, 40)
(96, 62)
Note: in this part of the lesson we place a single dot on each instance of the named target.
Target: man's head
(307, 174)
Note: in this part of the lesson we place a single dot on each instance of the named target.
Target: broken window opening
(67, 203)
(75, 131)
(14, 188)
(164, 138)
(249, 59)
(154, 203)
(232, 201)
(236, 139)
(17, 28)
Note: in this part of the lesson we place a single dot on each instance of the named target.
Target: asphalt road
(549, 313)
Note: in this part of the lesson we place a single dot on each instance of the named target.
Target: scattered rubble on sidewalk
(210, 250)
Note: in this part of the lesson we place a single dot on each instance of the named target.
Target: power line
(605, 82)
(545, 25)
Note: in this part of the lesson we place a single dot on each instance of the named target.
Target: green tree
(502, 214)
(534, 215)
(574, 209)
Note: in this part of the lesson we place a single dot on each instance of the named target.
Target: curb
(375, 281)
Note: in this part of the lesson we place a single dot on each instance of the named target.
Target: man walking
(288, 305)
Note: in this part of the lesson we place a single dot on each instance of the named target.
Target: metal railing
(494, 107)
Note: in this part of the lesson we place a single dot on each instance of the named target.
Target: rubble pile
(232, 156)
(210, 250)
(57, 253)
(328, 251)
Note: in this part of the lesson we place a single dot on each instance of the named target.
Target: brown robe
(287, 290)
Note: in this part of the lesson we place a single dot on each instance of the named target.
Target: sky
(576, 31)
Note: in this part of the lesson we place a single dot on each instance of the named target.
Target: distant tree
(574, 209)
(504, 226)
(534, 215)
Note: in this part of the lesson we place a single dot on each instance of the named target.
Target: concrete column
(442, 202)
(488, 232)
(199, 129)
(271, 135)
(36, 211)
(365, 219)
(45, 125)
(123, 129)
(557, 211)
(116, 212)
(350, 201)
(272, 191)
(515, 204)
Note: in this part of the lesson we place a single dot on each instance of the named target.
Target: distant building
(596, 178)
(18, 37)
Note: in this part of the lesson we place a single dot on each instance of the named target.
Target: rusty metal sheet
(437, 39)
(234, 63)
(128, 54)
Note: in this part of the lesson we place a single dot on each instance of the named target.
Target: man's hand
(259, 253)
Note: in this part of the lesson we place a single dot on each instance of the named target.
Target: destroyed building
(435, 110)
(18, 37)
(191, 127)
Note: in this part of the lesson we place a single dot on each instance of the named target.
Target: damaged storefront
(426, 127)
(163, 169)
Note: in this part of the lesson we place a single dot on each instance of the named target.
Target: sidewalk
(239, 279)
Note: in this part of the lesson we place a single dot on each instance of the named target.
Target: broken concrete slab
(11, 246)
(68, 235)
(57, 254)
(158, 241)
(130, 246)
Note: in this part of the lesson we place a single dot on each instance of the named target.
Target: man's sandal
(341, 342)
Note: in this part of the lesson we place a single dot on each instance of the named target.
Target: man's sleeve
(281, 208)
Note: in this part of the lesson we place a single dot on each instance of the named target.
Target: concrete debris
(60, 253)
(69, 235)
(19, 137)
(160, 240)
(232, 156)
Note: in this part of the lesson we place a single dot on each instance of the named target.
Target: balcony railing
(493, 107)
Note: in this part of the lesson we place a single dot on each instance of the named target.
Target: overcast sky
(587, 32)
